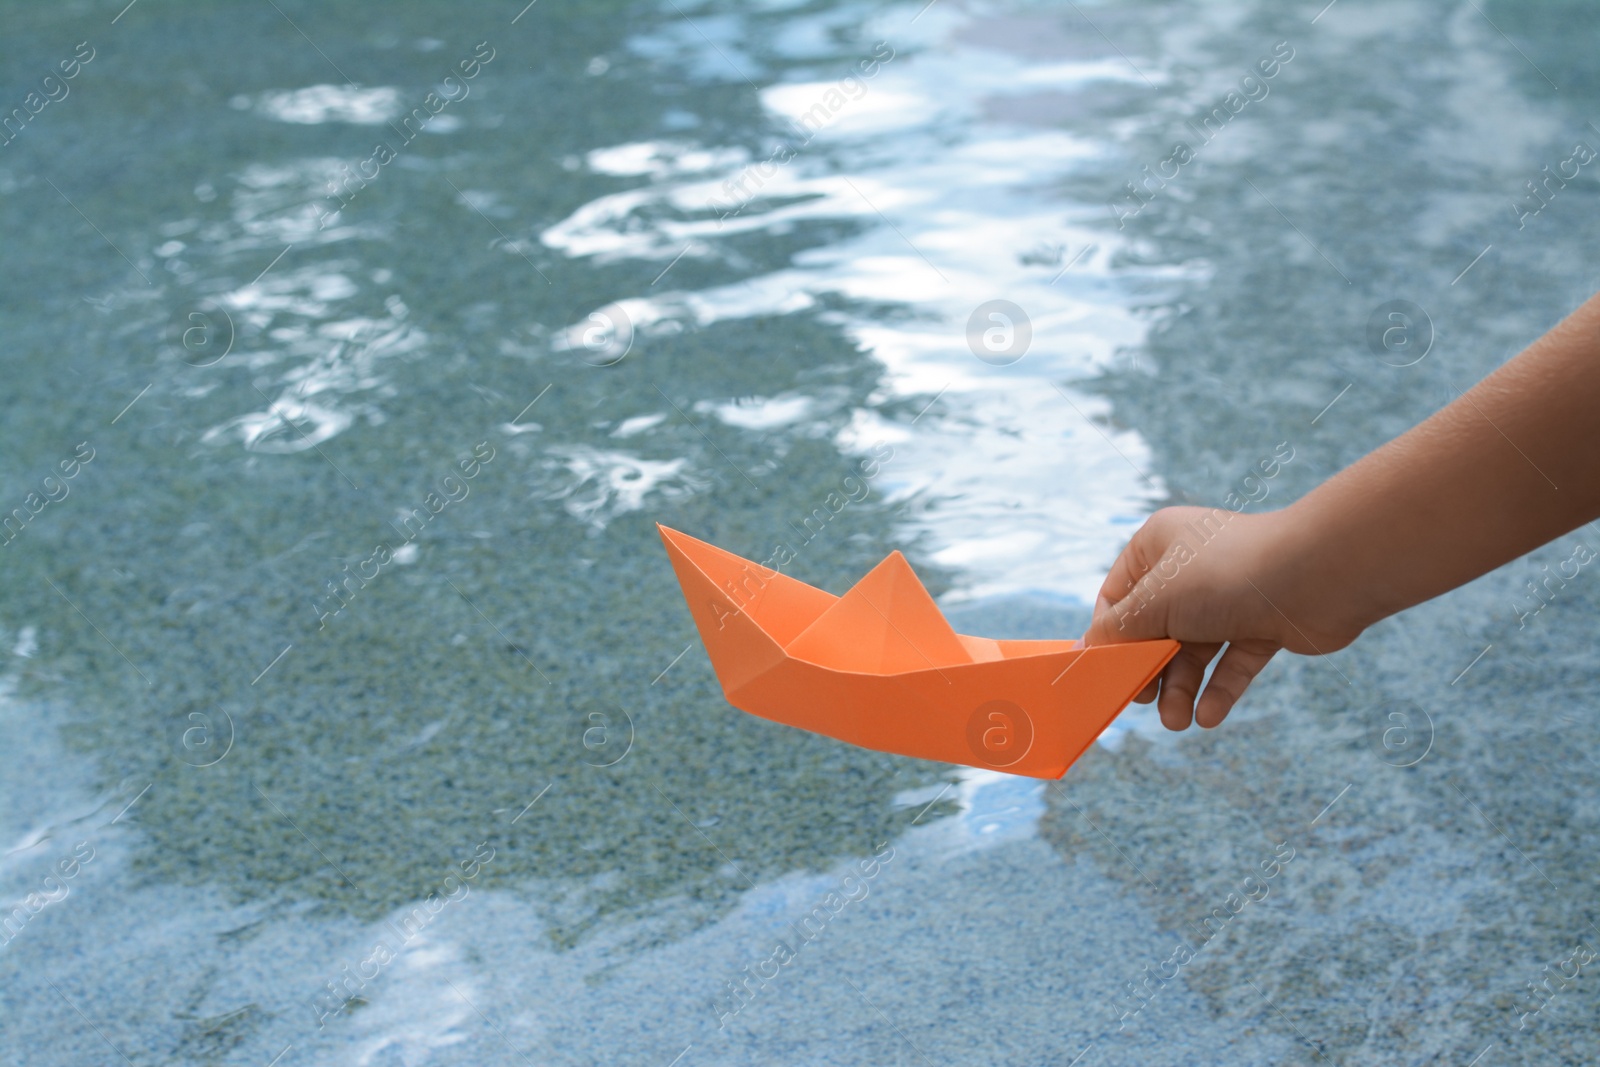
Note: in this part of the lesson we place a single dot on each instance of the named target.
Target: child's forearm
(1509, 465)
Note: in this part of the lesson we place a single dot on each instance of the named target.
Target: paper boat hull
(1032, 712)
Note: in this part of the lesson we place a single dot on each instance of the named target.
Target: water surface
(296, 308)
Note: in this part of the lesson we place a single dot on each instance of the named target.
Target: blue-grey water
(349, 710)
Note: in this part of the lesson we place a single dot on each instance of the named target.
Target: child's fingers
(1131, 564)
(1126, 570)
(1180, 682)
(1114, 621)
(1106, 626)
(1148, 693)
(1235, 671)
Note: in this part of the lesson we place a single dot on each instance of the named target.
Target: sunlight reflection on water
(1023, 487)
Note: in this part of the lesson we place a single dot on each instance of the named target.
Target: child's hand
(1470, 488)
(1205, 577)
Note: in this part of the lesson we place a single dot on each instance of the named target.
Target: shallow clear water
(694, 264)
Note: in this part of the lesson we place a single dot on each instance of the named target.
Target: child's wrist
(1324, 588)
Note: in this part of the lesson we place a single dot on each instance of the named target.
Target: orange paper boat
(881, 668)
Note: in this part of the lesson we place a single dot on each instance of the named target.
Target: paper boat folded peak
(881, 668)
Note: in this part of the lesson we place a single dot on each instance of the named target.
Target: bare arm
(1509, 465)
